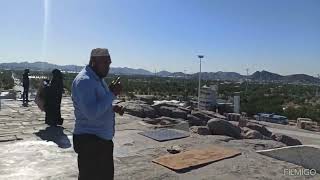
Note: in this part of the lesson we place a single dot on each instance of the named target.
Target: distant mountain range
(129, 71)
(266, 76)
(44, 66)
(258, 76)
(38, 66)
(230, 76)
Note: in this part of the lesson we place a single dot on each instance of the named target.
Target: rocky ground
(31, 150)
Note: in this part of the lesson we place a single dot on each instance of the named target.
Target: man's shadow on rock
(56, 135)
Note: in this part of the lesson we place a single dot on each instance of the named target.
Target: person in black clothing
(53, 96)
(25, 84)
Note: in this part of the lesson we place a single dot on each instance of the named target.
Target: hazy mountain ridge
(264, 76)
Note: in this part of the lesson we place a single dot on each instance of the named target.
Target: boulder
(172, 112)
(195, 121)
(139, 109)
(165, 111)
(217, 115)
(149, 111)
(157, 106)
(202, 130)
(213, 114)
(151, 121)
(168, 121)
(178, 113)
(223, 127)
(146, 98)
(289, 141)
(201, 115)
(188, 111)
(258, 127)
(132, 102)
(209, 113)
(253, 134)
(134, 110)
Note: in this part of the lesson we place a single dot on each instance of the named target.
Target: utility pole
(200, 57)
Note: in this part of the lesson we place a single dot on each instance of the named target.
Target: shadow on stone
(56, 135)
(185, 170)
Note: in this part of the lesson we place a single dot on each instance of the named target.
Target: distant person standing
(53, 96)
(25, 84)
(95, 117)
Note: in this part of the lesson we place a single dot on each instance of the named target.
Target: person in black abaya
(25, 84)
(53, 99)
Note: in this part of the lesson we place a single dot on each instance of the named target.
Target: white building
(208, 97)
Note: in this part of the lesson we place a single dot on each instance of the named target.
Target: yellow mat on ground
(197, 157)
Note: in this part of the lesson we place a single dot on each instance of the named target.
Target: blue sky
(281, 36)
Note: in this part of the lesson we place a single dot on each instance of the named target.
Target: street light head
(200, 56)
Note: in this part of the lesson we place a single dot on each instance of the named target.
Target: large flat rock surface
(31, 150)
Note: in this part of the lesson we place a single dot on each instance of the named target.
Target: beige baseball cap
(99, 52)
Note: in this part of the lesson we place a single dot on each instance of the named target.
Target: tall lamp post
(200, 58)
(247, 80)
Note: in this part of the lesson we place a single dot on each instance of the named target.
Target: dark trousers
(25, 95)
(95, 157)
